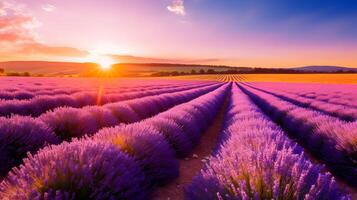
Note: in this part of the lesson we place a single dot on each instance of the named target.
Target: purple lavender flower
(123, 112)
(77, 170)
(147, 146)
(68, 123)
(19, 135)
(173, 133)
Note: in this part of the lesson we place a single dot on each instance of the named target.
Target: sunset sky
(264, 33)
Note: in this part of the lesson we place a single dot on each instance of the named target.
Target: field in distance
(303, 78)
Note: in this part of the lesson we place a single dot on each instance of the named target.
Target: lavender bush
(69, 123)
(20, 135)
(173, 133)
(148, 147)
(77, 170)
(123, 113)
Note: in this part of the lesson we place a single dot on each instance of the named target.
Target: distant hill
(47, 68)
(169, 67)
(325, 69)
(144, 69)
(72, 68)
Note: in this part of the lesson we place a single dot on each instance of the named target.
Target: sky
(257, 33)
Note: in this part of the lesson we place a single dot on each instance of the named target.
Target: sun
(105, 62)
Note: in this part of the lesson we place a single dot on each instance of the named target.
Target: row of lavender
(344, 95)
(124, 162)
(38, 105)
(328, 138)
(344, 112)
(25, 94)
(31, 84)
(19, 135)
(258, 161)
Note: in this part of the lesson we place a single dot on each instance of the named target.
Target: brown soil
(191, 165)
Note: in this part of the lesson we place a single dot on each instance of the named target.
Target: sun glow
(105, 62)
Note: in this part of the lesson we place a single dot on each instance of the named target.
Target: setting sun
(105, 62)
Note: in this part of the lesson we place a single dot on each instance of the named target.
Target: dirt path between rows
(191, 165)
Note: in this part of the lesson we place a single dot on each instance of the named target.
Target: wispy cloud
(15, 24)
(139, 59)
(18, 36)
(48, 7)
(42, 49)
(177, 7)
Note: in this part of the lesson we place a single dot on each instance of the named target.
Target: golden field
(305, 78)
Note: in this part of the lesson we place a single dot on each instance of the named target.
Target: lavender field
(73, 138)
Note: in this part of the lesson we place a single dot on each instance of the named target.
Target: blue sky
(294, 18)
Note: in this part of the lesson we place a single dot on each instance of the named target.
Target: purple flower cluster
(147, 146)
(4, 95)
(124, 162)
(257, 161)
(77, 170)
(20, 135)
(328, 138)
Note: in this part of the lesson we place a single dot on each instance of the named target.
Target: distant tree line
(177, 73)
(18, 74)
(249, 71)
(26, 74)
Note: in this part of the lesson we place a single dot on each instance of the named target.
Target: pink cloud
(11, 37)
(15, 24)
(17, 34)
(38, 48)
(177, 7)
(49, 8)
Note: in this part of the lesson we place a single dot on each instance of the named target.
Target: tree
(210, 71)
(12, 74)
(193, 71)
(2, 70)
(175, 73)
(202, 71)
